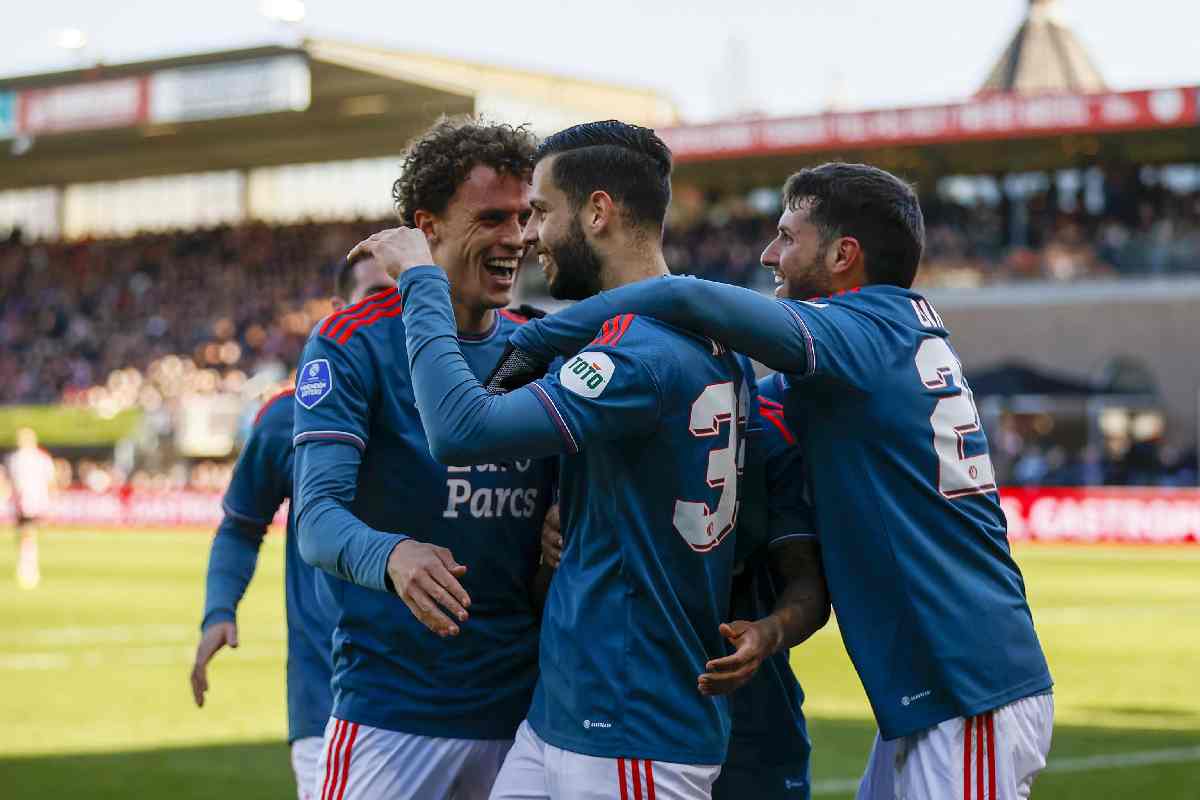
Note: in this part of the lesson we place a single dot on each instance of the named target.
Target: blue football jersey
(931, 605)
(769, 730)
(353, 388)
(261, 482)
(654, 423)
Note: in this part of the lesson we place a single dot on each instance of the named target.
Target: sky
(713, 58)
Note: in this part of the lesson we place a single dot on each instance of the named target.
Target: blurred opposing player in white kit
(31, 471)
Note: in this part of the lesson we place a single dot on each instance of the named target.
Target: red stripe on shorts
(621, 775)
(346, 760)
(649, 780)
(991, 730)
(637, 782)
(331, 757)
(967, 759)
(979, 736)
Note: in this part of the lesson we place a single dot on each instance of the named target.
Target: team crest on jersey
(314, 382)
(587, 374)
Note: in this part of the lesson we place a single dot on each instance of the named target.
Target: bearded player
(929, 600)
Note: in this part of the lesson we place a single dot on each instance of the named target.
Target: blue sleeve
(844, 343)
(260, 483)
(765, 329)
(335, 385)
(331, 537)
(231, 563)
(334, 389)
(463, 423)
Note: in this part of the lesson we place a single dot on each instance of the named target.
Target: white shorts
(359, 762)
(535, 770)
(992, 756)
(305, 754)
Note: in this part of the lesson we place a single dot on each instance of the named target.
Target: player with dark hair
(931, 605)
(261, 482)
(405, 537)
(652, 424)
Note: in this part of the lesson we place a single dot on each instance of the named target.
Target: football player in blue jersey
(262, 480)
(769, 748)
(652, 423)
(931, 605)
(417, 550)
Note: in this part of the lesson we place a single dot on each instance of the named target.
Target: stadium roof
(1044, 56)
(987, 134)
(321, 101)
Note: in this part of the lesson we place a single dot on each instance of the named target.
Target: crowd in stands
(1030, 460)
(143, 321)
(1139, 229)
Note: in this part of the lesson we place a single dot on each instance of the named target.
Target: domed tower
(1044, 56)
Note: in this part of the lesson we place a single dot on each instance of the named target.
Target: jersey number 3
(953, 418)
(701, 527)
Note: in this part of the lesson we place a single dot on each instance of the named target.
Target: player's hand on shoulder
(753, 643)
(425, 577)
(396, 249)
(215, 637)
(552, 541)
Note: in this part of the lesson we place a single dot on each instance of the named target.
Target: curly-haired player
(415, 716)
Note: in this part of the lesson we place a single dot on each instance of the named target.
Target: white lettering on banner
(212, 91)
(1093, 514)
(1099, 514)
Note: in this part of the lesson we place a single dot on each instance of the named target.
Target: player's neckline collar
(479, 338)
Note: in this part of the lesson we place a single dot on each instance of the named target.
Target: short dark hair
(628, 162)
(343, 282)
(438, 161)
(872, 205)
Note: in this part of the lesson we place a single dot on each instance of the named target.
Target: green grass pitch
(95, 701)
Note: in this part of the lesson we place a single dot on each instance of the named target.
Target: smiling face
(477, 239)
(568, 260)
(798, 255)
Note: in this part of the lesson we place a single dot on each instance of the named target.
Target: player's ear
(599, 212)
(427, 224)
(844, 255)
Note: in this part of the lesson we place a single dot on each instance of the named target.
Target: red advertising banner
(1093, 514)
(1103, 514)
(997, 116)
(134, 509)
(83, 106)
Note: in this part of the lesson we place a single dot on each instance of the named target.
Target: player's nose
(529, 234)
(769, 257)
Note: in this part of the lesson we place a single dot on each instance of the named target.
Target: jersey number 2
(953, 418)
(701, 527)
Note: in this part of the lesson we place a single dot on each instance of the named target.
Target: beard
(811, 280)
(577, 276)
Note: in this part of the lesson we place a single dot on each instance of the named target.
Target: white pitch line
(84, 635)
(1175, 755)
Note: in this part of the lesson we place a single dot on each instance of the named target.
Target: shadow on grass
(250, 769)
(262, 769)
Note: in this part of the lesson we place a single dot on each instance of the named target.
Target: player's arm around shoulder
(846, 342)
(612, 388)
